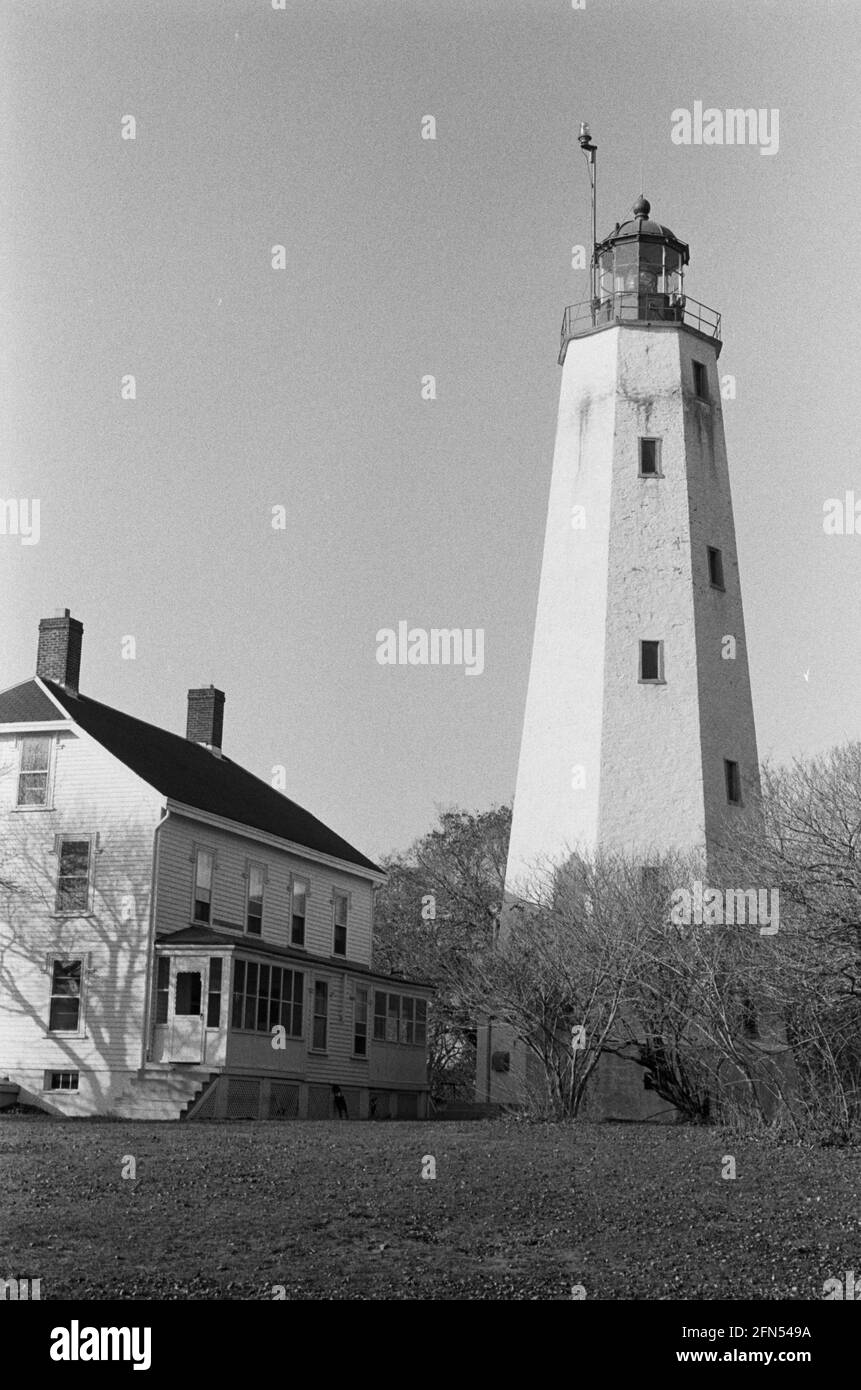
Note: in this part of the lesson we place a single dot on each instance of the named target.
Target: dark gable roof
(26, 704)
(187, 772)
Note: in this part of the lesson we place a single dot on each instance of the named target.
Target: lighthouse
(638, 734)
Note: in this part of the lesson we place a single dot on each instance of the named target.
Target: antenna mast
(590, 151)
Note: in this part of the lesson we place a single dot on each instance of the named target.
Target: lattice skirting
(283, 1101)
(243, 1098)
(256, 1097)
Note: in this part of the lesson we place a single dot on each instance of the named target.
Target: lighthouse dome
(640, 226)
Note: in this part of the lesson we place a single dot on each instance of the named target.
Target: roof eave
(370, 871)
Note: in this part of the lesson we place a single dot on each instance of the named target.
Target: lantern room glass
(639, 280)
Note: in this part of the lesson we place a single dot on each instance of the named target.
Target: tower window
(652, 661)
(701, 381)
(650, 458)
(733, 782)
(715, 568)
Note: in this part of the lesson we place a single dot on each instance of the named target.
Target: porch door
(188, 994)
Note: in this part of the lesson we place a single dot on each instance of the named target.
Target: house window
(701, 381)
(254, 912)
(650, 458)
(73, 878)
(299, 912)
(162, 989)
(340, 910)
(264, 987)
(33, 771)
(733, 782)
(213, 998)
(393, 1017)
(715, 568)
(652, 661)
(379, 1016)
(65, 1013)
(321, 1015)
(266, 997)
(400, 1019)
(204, 862)
(61, 1081)
(407, 1020)
(360, 1023)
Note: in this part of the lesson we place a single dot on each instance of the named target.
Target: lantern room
(640, 270)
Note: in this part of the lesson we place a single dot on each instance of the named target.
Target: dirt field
(333, 1211)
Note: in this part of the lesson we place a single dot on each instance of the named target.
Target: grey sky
(404, 257)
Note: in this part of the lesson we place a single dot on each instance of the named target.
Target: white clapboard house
(178, 939)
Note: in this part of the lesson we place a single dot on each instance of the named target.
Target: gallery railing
(628, 306)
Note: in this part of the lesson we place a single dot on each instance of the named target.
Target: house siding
(92, 795)
(181, 835)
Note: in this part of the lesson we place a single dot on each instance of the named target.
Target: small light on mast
(590, 152)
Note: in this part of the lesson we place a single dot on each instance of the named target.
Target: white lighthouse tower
(638, 733)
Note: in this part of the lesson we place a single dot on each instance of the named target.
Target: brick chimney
(59, 657)
(206, 717)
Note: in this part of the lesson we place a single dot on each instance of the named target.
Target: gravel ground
(329, 1211)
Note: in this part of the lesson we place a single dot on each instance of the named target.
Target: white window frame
(306, 882)
(61, 1071)
(313, 1015)
(347, 897)
(366, 990)
(250, 866)
(66, 958)
(196, 851)
(48, 803)
(92, 840)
